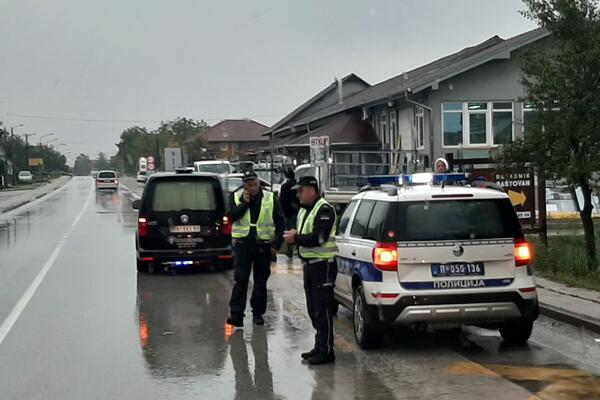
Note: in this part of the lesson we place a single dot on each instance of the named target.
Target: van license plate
(185, 228)
(457, 269)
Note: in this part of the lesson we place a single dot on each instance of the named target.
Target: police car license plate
(457, 269)
(185, 228)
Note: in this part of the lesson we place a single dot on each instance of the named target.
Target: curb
(570, 317)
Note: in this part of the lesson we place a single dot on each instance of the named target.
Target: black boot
(236, 320)
(258, 319)
(308, 354)
(322, 358)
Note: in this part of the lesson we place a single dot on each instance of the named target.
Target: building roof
(236, 130)
(345, 129)
(333, 86)
(431, 74)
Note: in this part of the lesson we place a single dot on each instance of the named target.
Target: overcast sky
(88, 69)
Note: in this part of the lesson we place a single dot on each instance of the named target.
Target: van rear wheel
(142, 267)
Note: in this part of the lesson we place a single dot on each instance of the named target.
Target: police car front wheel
(517, 332)
(364, 332)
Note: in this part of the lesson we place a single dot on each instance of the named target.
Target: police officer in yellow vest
(314, 237)
(257, 230)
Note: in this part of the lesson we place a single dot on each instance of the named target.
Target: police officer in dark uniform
(314, 237)
(257, 230)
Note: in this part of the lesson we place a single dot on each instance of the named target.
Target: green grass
(564, 261)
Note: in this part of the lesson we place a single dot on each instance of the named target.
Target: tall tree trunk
(588, 226)
(573, 192)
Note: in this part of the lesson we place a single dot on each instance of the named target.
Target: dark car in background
(182, 223)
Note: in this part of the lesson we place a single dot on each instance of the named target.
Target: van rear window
(188, 194)
(454, 220)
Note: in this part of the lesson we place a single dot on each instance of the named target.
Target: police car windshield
(177, 195)
(452, 220)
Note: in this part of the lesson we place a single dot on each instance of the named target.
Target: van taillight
(226, 226)
(385, 256)
(523, 253)
(142, 226)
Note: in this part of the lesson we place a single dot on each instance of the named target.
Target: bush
(564, 261)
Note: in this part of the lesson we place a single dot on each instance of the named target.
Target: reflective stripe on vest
(265, 226)
(328, 249)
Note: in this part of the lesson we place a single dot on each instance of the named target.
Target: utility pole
(27, 148)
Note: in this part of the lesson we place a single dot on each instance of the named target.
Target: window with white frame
(477, 123)
(393, 131)
(502, 122)
(383, 131)
(529, 115)
(452, 124)
(420, 126)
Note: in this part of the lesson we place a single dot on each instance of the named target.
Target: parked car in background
(107, 180)
(214, 166)
(233, 182)
(25, 177)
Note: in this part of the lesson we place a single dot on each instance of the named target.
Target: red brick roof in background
(237, 130)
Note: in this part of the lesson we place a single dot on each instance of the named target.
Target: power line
(127, 121)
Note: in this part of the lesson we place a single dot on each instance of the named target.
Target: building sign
(520, 187)
(172, 158)
(34, 162)
(150, 163)
(319, 150)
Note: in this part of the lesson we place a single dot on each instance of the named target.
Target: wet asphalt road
(94, 329)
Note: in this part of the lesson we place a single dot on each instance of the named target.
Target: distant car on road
(182, 223)
(214, 166)
(142, 176)
(25, 177)
(107, 180)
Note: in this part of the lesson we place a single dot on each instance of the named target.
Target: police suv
(434, 250)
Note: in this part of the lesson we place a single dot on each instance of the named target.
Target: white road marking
(137, 197)
(15, 313)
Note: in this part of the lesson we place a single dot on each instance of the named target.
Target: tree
(83, 165)
(102, 162)
(138, 142)
(562, 81)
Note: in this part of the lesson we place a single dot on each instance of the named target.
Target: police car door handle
(354, 252)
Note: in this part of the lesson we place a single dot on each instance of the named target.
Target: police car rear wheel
(516, 332)
(363, 332)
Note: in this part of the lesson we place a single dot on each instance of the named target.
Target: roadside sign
(150, 163)
(34, 162)
(520, 186)
(172, 158)
(319, 150)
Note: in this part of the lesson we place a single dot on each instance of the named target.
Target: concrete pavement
(576, 306)
(11, 199)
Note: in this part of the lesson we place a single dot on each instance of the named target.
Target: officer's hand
(246, 196)
(290, 236)
(273, 254)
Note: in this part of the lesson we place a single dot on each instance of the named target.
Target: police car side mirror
(136, 204)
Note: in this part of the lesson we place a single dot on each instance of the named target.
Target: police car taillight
(226, 226)
(142, 226)
(523, 253)
(385, 256)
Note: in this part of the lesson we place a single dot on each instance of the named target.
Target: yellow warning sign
(517, 198)
(34, 162)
